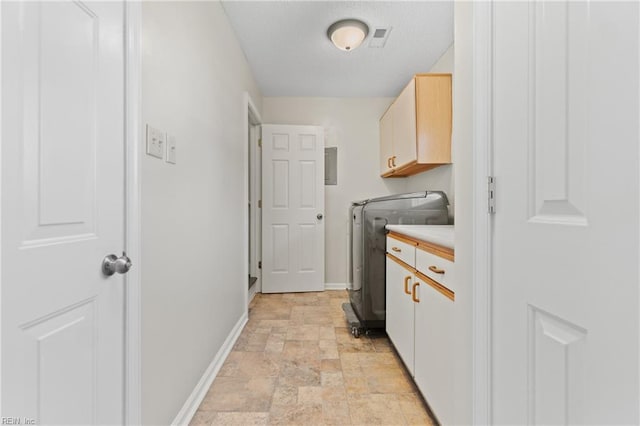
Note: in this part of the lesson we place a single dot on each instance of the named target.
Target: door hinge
(491, 194)
(260, 264)
(259, 204)
(260, 142)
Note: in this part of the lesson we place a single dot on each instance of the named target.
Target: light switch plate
(156, 142)
(171, 149)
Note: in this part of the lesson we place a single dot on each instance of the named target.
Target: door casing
(482, 256)
(251, 125)
(133, 154)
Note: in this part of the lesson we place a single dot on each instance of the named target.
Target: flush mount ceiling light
(348, 34)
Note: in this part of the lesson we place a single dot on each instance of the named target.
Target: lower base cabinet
(419, 323)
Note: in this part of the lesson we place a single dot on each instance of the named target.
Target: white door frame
(255, 186)
(250, 110)
(1, 198)
(482, 255)
(133, 152)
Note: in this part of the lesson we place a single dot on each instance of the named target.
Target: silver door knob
(319, 216)
(112, 264)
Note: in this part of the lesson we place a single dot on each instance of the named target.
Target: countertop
(441, 235)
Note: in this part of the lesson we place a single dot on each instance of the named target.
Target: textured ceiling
(290, 54)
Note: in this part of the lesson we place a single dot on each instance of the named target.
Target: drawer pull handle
(436, 270)
(406, 284)
(396, 249)
(413, 293)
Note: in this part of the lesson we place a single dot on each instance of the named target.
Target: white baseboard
(190, 407)
(336, 286)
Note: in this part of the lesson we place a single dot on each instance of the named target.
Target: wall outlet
(156, 142)
(171, 149)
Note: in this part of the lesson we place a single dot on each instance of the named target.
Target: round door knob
(319, 216)
(112, 264)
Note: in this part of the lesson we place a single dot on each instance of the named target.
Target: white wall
(194, 75)
(351, 124)
(441, 178)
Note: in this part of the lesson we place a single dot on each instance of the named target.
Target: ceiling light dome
(348, 34)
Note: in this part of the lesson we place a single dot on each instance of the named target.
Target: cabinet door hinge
(260, 142)
(259, 204)
(260, 264)
(491, 194)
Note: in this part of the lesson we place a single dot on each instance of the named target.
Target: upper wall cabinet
(415, 132)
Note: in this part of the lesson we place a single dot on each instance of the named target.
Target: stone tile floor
(296, 363)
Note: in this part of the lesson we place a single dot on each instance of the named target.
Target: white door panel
(293, 196)
(62, 211)
(65, 378)
(565, 290)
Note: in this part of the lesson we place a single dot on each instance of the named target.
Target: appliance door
(355, 249)
(374, 274)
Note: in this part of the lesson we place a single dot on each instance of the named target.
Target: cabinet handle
(406, 284)
(393, 161)
(436, 270)
(413, 293)
(389, 162)
(396, 249)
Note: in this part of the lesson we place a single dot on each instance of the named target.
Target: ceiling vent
(379, 37)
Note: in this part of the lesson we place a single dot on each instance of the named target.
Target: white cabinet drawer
(402, 250)
(437, 268)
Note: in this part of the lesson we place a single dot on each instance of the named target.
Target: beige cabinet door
(433, 115)
(386, 140)
(404, 126)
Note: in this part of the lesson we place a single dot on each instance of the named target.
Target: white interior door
(62, 211)
(565, 289)
(292, 208)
